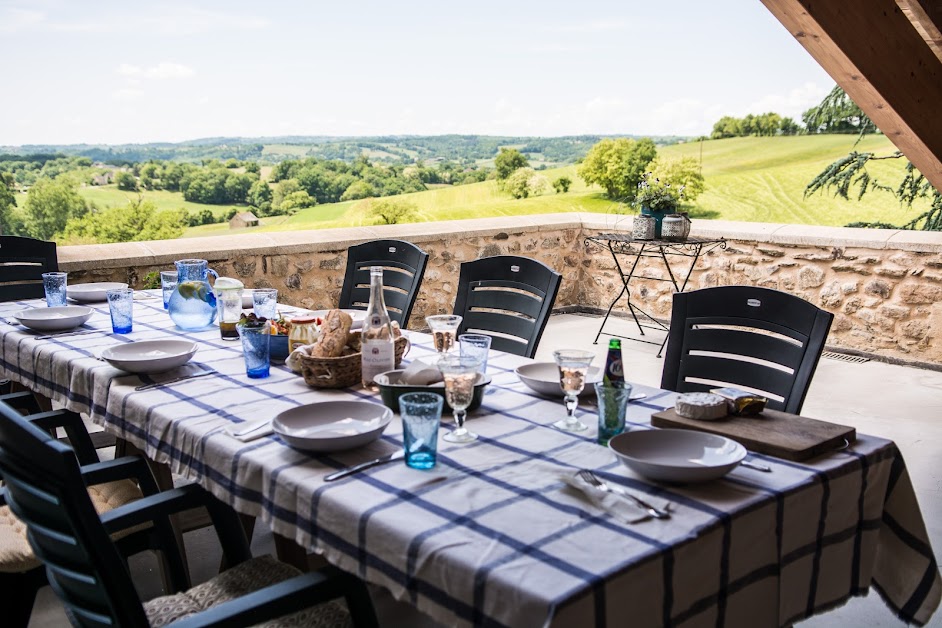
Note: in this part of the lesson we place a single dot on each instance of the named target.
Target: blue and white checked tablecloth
(493, 536)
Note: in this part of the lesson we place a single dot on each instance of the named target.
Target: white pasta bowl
(332, 425)
(92, 292)
(543, 377)
(150, 356)
(58, 318)
(681, 456)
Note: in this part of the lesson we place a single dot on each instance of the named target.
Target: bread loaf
(333, 335)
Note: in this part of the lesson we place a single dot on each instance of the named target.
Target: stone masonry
(884, 287)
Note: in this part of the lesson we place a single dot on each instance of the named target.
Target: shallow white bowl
(332, 425)
(543, 377)
(92, 292)
(57, 318)
(677, 455)
(150, 356)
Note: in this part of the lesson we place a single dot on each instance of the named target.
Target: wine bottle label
(378, 356)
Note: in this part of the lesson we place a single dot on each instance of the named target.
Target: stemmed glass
(573, 368)
(460, 373)
(444, 331)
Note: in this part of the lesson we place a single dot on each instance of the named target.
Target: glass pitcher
(193, 304)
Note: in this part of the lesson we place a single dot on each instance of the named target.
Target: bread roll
(333, 336)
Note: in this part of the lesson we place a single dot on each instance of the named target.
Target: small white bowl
(92, 292)
(58, 318)
(150, 356)
(332, 425)
(543, 377)
(681, 456)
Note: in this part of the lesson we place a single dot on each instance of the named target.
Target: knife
(174, 380)
(399, 454)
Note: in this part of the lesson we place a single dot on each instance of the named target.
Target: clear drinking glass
(475, 346)
(121, 304)
(256, 347)
(613, 404)
(573, 368)
(444, 331)
(460, 373)
(168, 282)
(421, 414)
(265, 302)
(229, 306)
(55, 286)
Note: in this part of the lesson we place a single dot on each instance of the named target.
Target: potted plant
(657, 199)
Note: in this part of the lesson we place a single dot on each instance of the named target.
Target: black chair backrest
(82, 563)
(22, 264)
(508, 298)
(756, 339)
(404, 265)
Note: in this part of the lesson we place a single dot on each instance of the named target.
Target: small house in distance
(243, 220)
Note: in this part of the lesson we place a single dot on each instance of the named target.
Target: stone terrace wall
(883, 286)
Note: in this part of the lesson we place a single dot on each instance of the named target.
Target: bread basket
(341, 372)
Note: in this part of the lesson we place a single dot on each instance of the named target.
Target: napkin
(293, 361)
(615, 505)
(420, 373)
(263, 429)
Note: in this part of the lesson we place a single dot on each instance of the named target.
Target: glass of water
(265, 302)
(444, 331)
(573, 370)
(168, 283)
(461, 374)
(421, 414)
(54, 284)
(121, 305)
(475, 346)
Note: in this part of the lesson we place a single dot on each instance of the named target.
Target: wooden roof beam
(874, 52)
(926, 17)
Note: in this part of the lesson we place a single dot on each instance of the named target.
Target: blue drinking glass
(121, 304)
(421, 414)
(54, 284)
(256, 347)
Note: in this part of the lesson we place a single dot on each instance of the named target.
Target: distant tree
(139, 220)
(837, 113)
(283, 189)
(507, 161)
(789, 127)
(7, 204)
(683, 172)
(525, 182)
(50, 204)
(126, 182)
(231, 213)
(297, 200)
(390, 212)
(358, 190)
(561, 185)
(260, 196)
(617, 165)
(252, 167)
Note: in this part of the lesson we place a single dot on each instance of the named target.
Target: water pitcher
(193, 304)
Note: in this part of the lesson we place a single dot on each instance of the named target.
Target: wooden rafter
(926, 17)
(873, 50)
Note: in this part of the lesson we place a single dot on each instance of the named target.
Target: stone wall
(883, 286)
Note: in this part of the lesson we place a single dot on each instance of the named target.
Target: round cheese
(700, 406)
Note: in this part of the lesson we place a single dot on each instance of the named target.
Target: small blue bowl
(279, 348)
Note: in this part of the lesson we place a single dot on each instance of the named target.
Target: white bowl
(332, 425)
(57, 318)
(677, 455)
(543, 377)
(92, 292)
(150, 356)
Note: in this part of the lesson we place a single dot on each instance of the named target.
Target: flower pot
(658, 218)
(675, 227)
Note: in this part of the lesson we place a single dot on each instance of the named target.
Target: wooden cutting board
(775, 433)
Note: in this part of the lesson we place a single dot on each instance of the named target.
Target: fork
(592, 479)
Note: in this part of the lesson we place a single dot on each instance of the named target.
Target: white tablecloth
(493, 536)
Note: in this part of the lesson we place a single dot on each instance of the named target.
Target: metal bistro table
(626, 250)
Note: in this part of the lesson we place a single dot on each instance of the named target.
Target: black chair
(22, 264)
(110, 484)
(91, 579)
(508, 298)
(404, 265)
(756, 339)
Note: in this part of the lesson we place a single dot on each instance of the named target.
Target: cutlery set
(174, 380)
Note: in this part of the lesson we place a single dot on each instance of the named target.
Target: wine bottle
(378, 343)
(614, 371)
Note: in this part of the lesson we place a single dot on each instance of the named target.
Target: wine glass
(444, 331)
(460, 373)
(573, 368)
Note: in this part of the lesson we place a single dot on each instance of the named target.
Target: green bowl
(390, 390)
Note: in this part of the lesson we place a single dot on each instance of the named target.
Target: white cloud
(164, 70)
(13, 20)
(592, 26)
(127, 94)
(792, 104)
(160, 20)
(129, 70)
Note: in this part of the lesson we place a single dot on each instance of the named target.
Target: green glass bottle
(614, 371)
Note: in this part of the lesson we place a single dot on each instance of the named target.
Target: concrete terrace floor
(903, 404)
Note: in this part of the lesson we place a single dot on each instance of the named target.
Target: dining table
(497, 533)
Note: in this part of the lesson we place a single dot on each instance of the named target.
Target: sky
(122, 72)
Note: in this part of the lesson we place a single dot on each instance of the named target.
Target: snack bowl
(678, 456)
(278, 348)
(543, 378)
(59, 318)
(332, 425)
(391, 388)
(92, 292)
(150, 356)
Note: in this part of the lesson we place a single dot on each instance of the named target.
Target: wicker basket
(341, 372)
